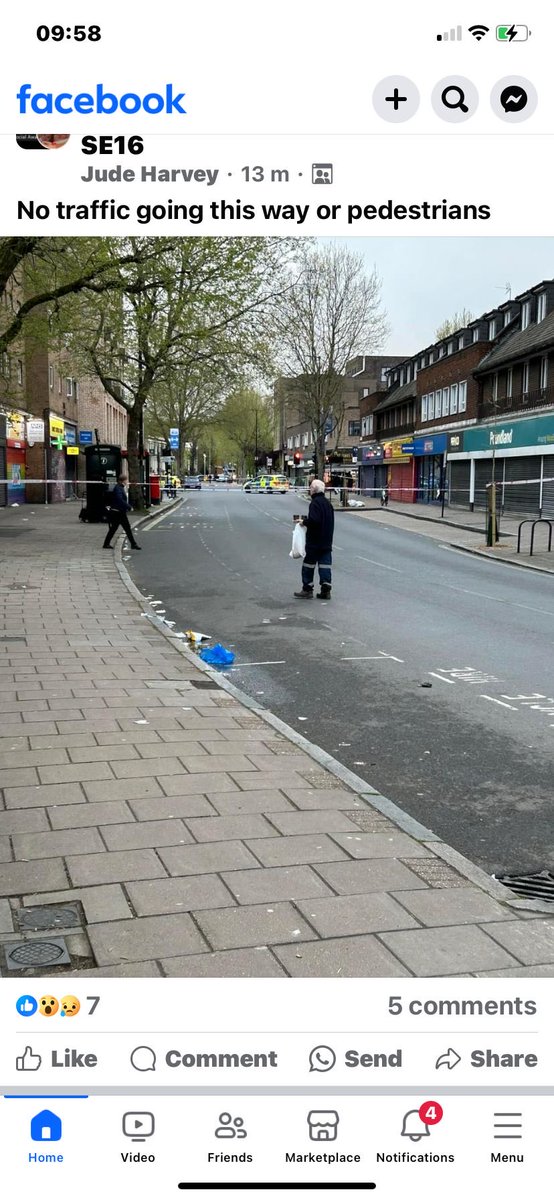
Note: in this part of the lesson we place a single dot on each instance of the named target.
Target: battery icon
(512, 33)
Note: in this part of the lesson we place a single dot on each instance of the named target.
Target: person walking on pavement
(385, 497)
(320, 524)
(117, 514)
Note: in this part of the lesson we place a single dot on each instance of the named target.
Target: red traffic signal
(297, 457)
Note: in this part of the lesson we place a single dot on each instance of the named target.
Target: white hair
(317, 485)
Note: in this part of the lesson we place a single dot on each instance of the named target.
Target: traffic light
(297, 457)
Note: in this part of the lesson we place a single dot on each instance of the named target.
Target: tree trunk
(134, 431)
(319, 464)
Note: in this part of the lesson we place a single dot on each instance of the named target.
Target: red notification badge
(430, 1112)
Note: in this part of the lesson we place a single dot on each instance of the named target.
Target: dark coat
(118, 499)
(320, 524)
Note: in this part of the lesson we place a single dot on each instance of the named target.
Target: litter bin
(155, 489)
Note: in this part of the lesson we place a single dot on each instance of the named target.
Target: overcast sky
(426, 280)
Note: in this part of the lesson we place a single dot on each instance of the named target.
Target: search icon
(454, 97)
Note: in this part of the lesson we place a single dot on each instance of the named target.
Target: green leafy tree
(459, 320)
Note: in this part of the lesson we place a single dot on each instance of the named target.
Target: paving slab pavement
(190, 832)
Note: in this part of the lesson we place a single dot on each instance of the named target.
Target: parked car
(192, 481)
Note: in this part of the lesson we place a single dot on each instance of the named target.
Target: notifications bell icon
(413, 1127)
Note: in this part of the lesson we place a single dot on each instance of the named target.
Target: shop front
(517, 455)
(3, 475)
(430, 458)
(15, 458)
(64, 456)
(373, 472)
(399, 462)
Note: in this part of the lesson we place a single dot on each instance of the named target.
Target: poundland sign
(515, 435)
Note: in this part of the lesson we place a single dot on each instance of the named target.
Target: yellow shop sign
(56, 427)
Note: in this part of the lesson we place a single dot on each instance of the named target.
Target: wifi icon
(478, 31)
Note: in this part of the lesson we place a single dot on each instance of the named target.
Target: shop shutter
(524, 498)
(459, 483)
(3, 487)
(547, 487)
(483, 472)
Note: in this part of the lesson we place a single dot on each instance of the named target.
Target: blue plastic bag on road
(217, 656)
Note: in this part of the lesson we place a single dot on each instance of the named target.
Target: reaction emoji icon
(48, 1006)
(69, 1006)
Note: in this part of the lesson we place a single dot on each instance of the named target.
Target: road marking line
(270, 662)
(385, 655)
(374, 563)
(501, 702)
(441, 677)
(498, 600)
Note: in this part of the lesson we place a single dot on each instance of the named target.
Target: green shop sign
(511, 435)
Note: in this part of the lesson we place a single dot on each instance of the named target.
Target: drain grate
(539, 886)
(49, 916)
(51, 953)
(204, 684)
(6, 637)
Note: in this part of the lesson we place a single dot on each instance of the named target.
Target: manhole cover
(6, 638)
(204, 683)
(539, 886)
(49, 916)
(51, 953)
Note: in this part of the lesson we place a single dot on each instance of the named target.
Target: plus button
(396, 99)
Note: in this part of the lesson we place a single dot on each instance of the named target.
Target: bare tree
(332, 313)
(458, 320)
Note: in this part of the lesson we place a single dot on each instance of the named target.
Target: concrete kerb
(474, 874)
(512, 562)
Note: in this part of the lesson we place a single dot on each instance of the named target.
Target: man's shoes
(305, 594)
(104, 547)
(135, 547)
(325, 593)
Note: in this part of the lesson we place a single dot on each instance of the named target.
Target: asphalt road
(470, 756)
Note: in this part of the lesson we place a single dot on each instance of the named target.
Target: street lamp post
(204, 457)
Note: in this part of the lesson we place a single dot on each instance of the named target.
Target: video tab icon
(138, 1125)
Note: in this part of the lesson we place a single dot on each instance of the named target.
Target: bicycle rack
(541, 521)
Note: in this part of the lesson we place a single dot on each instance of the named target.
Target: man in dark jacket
(320, 524)
(118, 507)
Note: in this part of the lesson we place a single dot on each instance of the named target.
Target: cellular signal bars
(455, 35)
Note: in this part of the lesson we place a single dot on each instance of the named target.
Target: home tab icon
(46, 1127)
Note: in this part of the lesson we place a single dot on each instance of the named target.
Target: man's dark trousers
(118, 519)
(323, 560)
